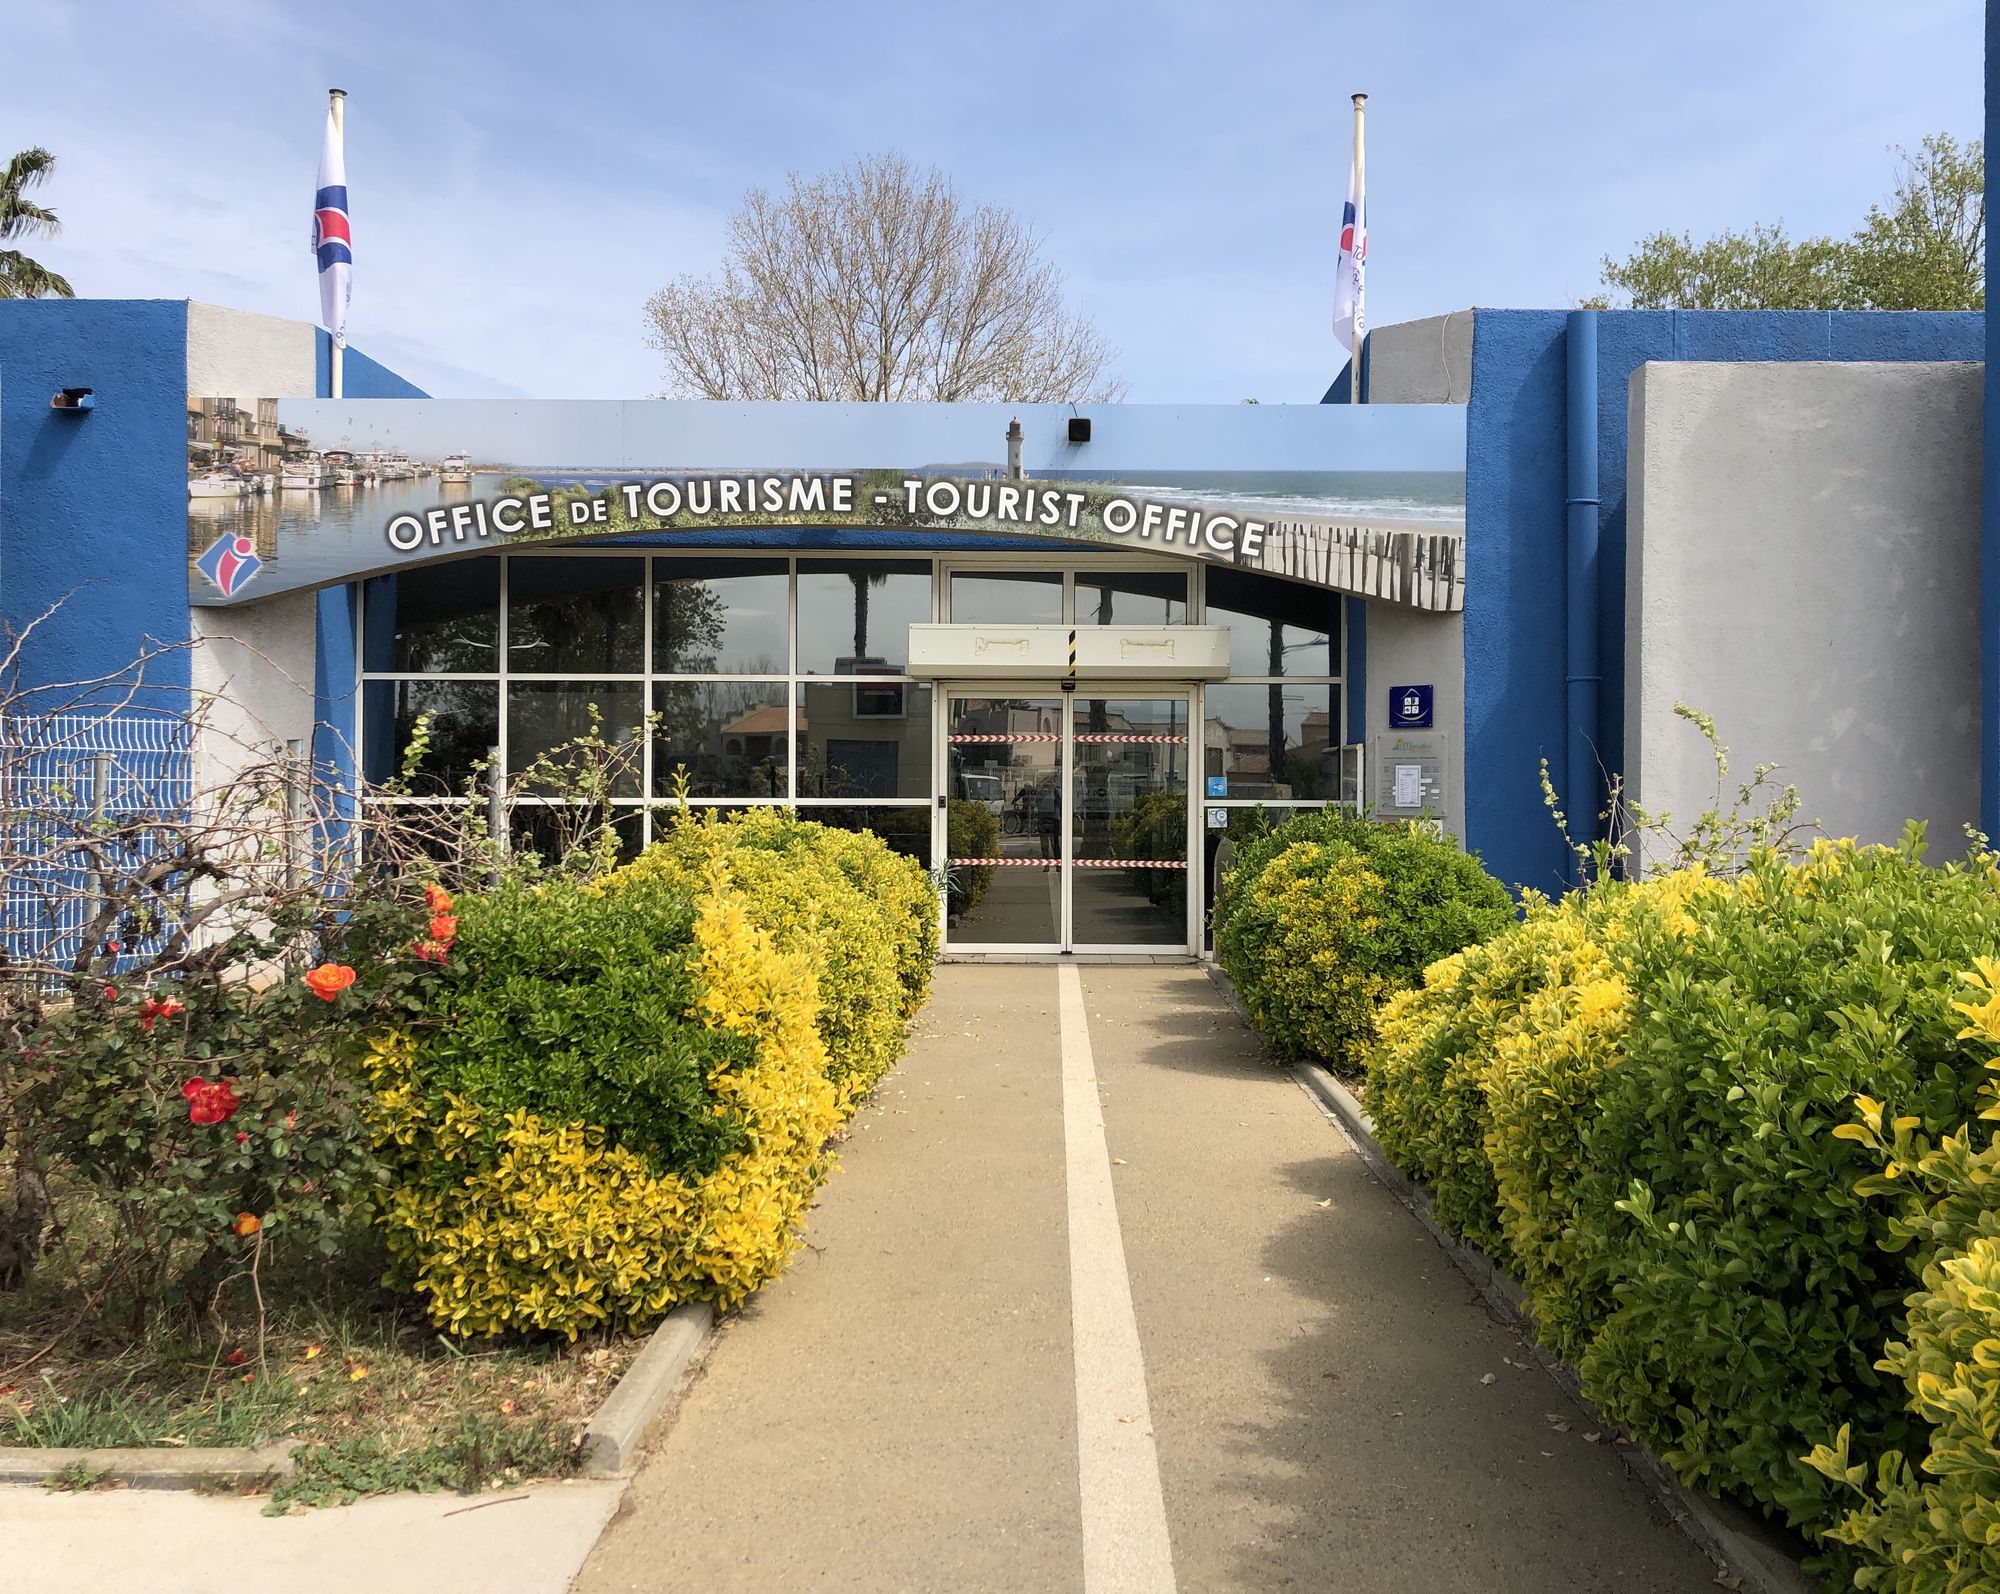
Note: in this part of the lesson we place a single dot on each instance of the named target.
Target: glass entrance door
(1066, 822)
(1128, 848)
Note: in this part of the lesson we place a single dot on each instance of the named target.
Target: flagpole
(1360, 235)
(336, 104)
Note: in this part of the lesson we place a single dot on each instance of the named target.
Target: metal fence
(113, 778)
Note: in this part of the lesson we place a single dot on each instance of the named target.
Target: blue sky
(522, 177)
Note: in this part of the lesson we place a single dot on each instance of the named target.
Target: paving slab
(900, 1411)
(897, 1411)
(1317, 1366)
(144, 1541)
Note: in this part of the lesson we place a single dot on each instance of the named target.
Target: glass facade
(744, 678)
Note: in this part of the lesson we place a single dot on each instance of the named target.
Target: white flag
(332, 243)
(1353, 263)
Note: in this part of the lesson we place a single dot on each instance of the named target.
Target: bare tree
(878, 282)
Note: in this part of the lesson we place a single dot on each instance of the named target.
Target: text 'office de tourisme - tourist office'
(1071, 647)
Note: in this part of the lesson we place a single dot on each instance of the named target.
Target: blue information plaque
(1409, 708)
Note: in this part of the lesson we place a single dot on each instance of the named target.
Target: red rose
(110, 993)
(242, 1135)
(236, 1358)
(211, 1102)
(430, 951)
(329, 980)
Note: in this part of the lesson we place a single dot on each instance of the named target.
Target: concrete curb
(1738, 1542)
(610, 1445)
(151, 1468)
(612, 1441)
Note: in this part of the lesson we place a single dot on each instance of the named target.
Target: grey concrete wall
(1802, 562)
(1421, 362)
(257, 663)
(1408, 648)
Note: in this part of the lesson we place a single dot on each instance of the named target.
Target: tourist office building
(1067, 656)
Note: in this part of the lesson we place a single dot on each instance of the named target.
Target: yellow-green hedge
(1641, 1100)
(864, 919)
(1321, 921)
(1933, 1527)
(620, 1096)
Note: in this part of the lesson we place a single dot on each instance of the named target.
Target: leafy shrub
(862, 928)
(1155, 826)
(211, 1114)
(1935, 1529)
(1486, 1080)
(1324, 919)
(504, 1219)
(971, 830)
(1752, 1291)
(1631, 1100)
(575, 1014)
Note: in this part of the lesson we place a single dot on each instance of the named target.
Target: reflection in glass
(438, 619)
(545, 716)
(730, 738)
(1279, 740)
(464, 728)
(1223, 843)
(554, 831)
(1275, 627)
(1131, 597)
(864, 739)
(719, 617)
(907, 830)
(1128, 822)
(581, 615)
(1004, 790)
(1006, 597)
(855, 614)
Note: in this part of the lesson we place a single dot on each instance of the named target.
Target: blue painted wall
(1989, 546)
(1515, 533)
(93, 508)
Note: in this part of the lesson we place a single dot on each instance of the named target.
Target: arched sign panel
(286, 495)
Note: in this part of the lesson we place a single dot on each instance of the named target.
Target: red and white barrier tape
(1056, 863)
(1109, 736)
(1008, 736)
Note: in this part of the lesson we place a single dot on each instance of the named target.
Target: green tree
(21, 217)
(1924, 251)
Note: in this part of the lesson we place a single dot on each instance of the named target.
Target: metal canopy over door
(1066, 820)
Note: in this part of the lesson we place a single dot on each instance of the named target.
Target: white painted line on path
(1126, 1549)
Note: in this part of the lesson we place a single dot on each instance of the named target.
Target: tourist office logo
(230, 563)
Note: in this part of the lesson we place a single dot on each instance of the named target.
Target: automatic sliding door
(1003, 822)
(1129, 823)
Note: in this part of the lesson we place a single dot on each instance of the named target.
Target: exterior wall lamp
(73, 401)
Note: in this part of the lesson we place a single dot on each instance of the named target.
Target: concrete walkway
(1101, 1301)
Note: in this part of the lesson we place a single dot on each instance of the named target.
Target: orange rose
(437, 899)
(444, 926)
(248, 1223)
(329, 980)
